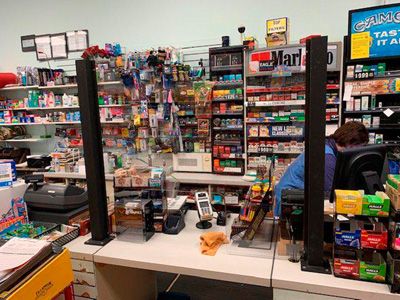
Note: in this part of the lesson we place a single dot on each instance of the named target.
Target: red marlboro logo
(261, 56)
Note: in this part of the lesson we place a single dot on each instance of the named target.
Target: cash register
(53, 202)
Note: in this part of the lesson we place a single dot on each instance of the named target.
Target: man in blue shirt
(351, 134)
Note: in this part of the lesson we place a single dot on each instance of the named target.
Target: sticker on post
(388, 112)
(348, 89)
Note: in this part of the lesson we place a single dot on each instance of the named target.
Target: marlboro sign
(294, 58)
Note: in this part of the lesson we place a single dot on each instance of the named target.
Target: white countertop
(288, 276)
(208, 178)
(181, 254)
(79, 250)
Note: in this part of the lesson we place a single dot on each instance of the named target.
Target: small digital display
(203, 204)
(202, 195)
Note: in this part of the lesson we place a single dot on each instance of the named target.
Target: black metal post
(316, 74)
(93, 151)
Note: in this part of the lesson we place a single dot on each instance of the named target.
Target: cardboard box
(357, 104)
(364, 102)
(377, 205)
(348, 268)
(374, 236)
(141, 180)
(348, 202)
(6, 173)
(393, 190)
(376, 121)
(348, 233)
(373, 269)
(367, 120)
(123, 181)
(350, 104)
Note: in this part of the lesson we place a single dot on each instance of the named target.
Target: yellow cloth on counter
(211, 241)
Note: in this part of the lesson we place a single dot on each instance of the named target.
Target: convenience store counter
(288, 276)
(123, 269)
(181, 254)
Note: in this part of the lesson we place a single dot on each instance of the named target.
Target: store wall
(142, 24)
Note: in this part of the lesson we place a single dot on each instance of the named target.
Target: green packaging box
(377, 205)
(381, 69)
(373, 272)
(281, 119)
(393, 190)
(394, 181)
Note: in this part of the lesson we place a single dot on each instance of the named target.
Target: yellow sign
(397, 87)
(276, 25)
(360, 45)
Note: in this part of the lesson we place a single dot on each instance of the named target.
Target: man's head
(351, 134)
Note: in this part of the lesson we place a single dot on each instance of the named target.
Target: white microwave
(192, 162)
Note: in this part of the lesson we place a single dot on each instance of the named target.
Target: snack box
(347, 233)
(393, 190)
(373, 268)
(348, 268)
(374, 235)
(363, 266)
(377, 205)
(348, 202)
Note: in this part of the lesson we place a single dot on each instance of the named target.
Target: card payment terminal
(204, 209)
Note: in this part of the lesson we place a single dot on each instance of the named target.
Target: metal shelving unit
(274, 92)
(374, 100)
(226, 69)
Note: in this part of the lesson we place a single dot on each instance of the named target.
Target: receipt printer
(53, 196)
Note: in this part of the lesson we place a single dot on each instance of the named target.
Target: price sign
(364, 75)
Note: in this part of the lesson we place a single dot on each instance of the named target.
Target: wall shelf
(275, 103)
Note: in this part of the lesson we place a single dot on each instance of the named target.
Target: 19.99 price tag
(364, 75)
